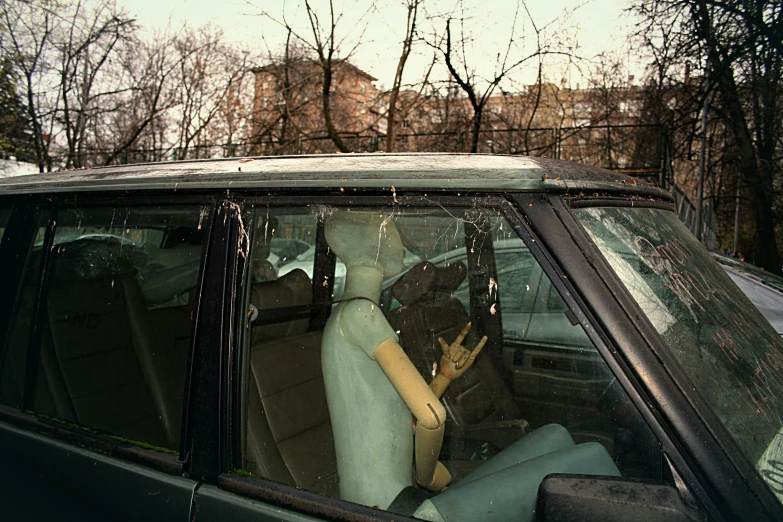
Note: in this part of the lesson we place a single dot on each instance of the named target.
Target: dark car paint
(45, 479)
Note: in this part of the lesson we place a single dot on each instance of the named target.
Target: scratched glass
(731, 353)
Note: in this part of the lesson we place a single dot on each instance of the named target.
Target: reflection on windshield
(731, 353)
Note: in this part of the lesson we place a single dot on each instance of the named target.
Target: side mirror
(589, 498)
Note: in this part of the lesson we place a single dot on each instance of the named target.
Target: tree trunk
(326, 97)
(755, 172)
(476, 128)
(410, 29)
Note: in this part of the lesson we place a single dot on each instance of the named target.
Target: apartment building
(288, 106)
(590, 125)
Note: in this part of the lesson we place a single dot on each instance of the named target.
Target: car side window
(348, 395)
(113, 315)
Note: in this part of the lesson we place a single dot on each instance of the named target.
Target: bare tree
(29, 29)
(407, 42)
(739, 43)
(478, 90)
(140, 115)
(232, 124)
(325, 46)
(206, 76)
(329, 53)
(287, 105)
(87, 40)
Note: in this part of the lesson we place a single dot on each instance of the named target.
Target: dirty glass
(730, 352)
(319, 411)
(115, 321)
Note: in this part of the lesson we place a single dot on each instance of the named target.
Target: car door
(275, 446)
(98, 302)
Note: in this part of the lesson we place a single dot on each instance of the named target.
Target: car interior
(116, 319)
(532, 374)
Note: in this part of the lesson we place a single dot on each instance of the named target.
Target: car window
(283, 243)
(114, 332)
(326, 410)
(730, 352)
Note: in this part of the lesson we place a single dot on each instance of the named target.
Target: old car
(439, 337)
(765, 290)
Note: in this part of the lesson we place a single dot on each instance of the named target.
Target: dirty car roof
(487, 173)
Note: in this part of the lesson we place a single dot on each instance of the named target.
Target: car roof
(469, 172)
(750, 271)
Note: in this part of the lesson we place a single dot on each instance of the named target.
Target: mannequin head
(365, 239)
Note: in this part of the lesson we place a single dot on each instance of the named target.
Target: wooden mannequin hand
(456, 358)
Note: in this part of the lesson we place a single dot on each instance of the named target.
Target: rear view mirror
(590, 498)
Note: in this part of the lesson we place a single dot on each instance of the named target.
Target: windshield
(731, 353)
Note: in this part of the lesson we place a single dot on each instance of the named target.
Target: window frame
(702, 452)
(35, 209)
(515, 213)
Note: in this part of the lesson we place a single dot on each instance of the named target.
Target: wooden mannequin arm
(439, 385)
(425, 406)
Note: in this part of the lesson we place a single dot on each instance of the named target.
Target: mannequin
(372, 388)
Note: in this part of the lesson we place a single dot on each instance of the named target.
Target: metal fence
(639, 150)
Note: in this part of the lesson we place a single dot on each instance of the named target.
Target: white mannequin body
(372, 388)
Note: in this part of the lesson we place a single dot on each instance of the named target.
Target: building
(288, 107)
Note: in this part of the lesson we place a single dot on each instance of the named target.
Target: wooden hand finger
(478, 348)
(461, 358)
(462, 334)
(445, 347)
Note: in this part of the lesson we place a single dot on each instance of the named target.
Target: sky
(372, 30)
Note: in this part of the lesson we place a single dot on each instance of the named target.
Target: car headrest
(425, 278)
(263, 240)
(291, 289)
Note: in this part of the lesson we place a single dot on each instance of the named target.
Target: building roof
(313, 63)
(474, 172)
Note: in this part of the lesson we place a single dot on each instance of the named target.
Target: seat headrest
(291, 289)
(263, 240)
(425, 278)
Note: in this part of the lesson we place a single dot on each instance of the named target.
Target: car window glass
(115, 321)
(319, 411)
(729, 351)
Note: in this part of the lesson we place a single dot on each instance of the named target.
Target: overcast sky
(596, 25)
